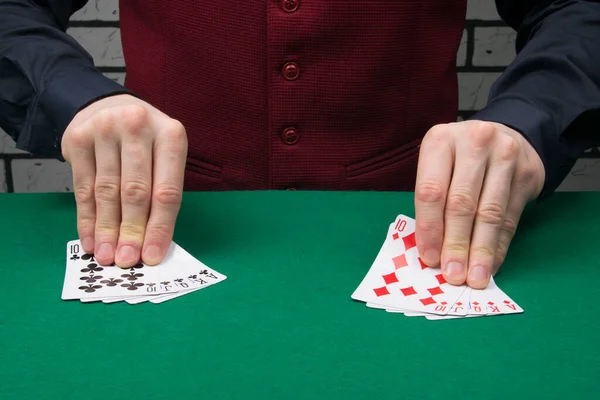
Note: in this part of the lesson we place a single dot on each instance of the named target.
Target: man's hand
(128, 161)
(474, 179)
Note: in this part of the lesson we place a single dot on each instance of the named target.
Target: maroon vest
(306, 94)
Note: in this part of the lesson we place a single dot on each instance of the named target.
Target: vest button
(290, 71)
(290, 5)
(290, 136)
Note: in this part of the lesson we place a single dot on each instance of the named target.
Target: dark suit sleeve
(46, 77)
(551, 92)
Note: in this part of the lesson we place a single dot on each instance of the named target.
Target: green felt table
(283, 324)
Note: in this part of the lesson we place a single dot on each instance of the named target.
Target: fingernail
(478, 274)
(454, 270)
(126, 254)
(88, 244)
(152, 254)
(105, 251)
(431, 256)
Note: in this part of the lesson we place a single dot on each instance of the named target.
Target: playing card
(85, 278)
(179, 273)
(460, 308)
(400, 283)
(399, 278)
(494, 300)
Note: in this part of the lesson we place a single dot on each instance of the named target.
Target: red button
(290, 71)
(290, 5)
(290, 136)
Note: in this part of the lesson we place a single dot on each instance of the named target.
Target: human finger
(136, 183)
(170, 151)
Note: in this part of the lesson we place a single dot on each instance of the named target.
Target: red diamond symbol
(491, 303)
(459, 303)
(436, 290)
(443, 303)
(423, 266)
(395, 236)
(409, 241)
(409, 291)
(440, 279)
(427, 301)
(382, 291)
(390, 278)
(400, 261)
(506, 302)
(475, 303)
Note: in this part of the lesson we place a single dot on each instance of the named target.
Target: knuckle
(461, 204)
(174, 132)
(84, 193)
(481, 253)
(134, 118)
(436, 135)
(130, 230)
(458, 247)
(107, 230)
(106, 191)
(480, 134)
(508, 148)
(509, 226)
(167, 195)
(490, 213)
(80, 137)
(526, 175)
(136, 192)
(430, 191)
(159, 232)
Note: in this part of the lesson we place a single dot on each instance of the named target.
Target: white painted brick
(104, 44)
(474, 88)
(7, 144)
(461, 56)
(584, 177)
(494, 46)
(118, 77)
(482, 9)
(2, 178)
(41, 176)
(104, 10)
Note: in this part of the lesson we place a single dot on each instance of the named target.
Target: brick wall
(486, 49)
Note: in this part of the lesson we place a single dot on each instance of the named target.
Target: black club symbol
(204, 272)
(92, 278)
(136, 266)
(179, 280)
(165, 283)
(90, 288)
(88, 257)
(193, 276)
(74, 257)
(92, 268)
(132, 285)
(132, 276)
(112, 281)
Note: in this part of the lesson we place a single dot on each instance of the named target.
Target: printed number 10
(400, 225)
